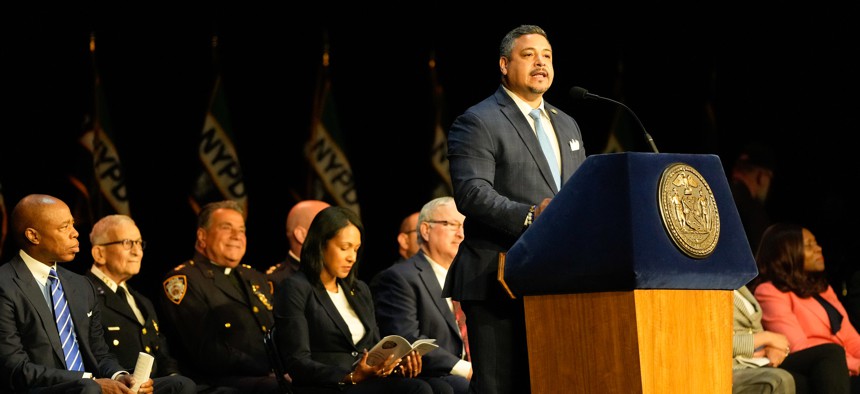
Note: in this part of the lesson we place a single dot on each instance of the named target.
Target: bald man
(298, 221)
(32, 356)
(407, 239)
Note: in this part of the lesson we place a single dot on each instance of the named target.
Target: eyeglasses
(453, 226)
(127, 244)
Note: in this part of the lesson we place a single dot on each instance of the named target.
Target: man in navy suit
(502, 181)
(31, 355)
(408, 295)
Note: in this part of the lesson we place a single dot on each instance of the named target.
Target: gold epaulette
(181, 266)
(272, 269)
(246, 266)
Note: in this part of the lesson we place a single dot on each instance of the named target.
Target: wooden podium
(613, 303)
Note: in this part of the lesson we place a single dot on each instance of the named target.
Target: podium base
(640, 341)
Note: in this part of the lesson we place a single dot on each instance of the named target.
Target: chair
(275, 361)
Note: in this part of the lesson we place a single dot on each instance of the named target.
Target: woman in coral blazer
(797, 301)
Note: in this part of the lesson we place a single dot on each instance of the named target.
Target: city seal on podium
(689, 210)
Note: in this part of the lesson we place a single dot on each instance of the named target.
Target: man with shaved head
(36, 293)
(298, 221)
(407, 239)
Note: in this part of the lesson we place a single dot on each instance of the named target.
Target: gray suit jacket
(745, 325)
(30, 351)
(499, 171)
(409, 303)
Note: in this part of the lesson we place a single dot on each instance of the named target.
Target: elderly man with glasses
(128, 318)
(408, 296)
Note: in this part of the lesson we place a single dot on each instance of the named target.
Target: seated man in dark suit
(33, 288)
(128, 317)
(408, 295)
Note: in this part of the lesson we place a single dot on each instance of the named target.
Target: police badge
(175, 287)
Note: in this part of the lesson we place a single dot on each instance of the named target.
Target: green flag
(220, 176)
(102, 182)
(439, 151)
(330, 177)
(620, 131)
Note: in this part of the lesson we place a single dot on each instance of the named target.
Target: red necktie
(461, 322)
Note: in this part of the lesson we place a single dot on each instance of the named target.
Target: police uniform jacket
(278, 272)
(221, 324)
(124, 334)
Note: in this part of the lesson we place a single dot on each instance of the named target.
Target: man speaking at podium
(509, 155)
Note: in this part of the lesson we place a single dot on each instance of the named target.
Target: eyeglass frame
(446, 223)
(129, 242)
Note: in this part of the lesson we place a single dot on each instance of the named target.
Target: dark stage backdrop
(784, 76)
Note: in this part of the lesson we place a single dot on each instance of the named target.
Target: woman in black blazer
(326, 321)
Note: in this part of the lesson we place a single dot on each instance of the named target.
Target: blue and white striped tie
(74, 362)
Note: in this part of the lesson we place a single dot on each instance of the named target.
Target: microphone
(579, 93)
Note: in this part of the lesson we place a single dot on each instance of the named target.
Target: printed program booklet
(753, 361)
(399, 347)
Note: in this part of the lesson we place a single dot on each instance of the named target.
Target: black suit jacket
(220, 328)
(498, 171)
(314, 341)
(125, 336)
(30, 349)
(409, 303)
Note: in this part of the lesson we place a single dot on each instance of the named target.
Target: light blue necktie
(546, 147)
(74, 362)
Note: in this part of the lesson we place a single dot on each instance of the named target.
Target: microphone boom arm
(579, 93)
(630, 111)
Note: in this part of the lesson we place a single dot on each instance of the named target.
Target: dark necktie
(122, 294)
(65, 327)
(127, 298)
(234, 279)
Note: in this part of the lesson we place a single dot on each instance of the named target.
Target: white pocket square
(574, 145)
(90, 314)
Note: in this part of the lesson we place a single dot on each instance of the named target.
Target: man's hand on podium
(541, 207)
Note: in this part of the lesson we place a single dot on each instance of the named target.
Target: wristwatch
(530, 217)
